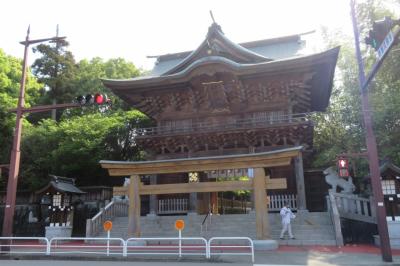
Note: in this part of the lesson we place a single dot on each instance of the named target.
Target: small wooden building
(56, 197)
(390, 175)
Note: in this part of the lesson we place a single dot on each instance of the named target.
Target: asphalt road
(105, 263)
(271, 258)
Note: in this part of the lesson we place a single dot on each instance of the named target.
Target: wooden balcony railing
(238, 124)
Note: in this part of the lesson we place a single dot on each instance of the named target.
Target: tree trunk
(54, 111)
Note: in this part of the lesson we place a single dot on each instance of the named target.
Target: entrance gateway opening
(259, 183)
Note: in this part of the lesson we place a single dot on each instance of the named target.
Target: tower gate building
(223, 111)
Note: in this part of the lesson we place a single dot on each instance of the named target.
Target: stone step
(304, 229)
(229, 228)
(309, 228)
(219, 221)
(303, 242)
(323, 228)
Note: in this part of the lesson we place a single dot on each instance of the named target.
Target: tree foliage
(56, 68)
(10, 77)
(74, 147)
(90, 73)
(341, 129)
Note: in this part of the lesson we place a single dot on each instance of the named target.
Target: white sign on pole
(387, 42)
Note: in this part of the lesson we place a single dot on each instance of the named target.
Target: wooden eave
(283, 66)
(321, 64)
(389, 166)
(61, 187)
(280, 157)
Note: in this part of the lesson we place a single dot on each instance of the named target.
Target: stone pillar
(153, 198)
(301, 192)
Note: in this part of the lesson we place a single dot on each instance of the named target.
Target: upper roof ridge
(217, 44)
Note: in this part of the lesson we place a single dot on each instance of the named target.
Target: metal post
(180, 243)
(108, 243)
(125, 249)
(371, 149)
(47, 247)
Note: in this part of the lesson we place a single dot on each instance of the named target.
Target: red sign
(343, 166)
(179, 224)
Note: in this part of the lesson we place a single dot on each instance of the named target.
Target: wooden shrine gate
(260, 183)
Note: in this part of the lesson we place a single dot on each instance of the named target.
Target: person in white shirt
(287, 215)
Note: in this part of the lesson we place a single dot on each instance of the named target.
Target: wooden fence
(170, 206)
(276, 202)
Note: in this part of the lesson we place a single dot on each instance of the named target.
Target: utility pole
(15, 152)
(54, 88)
(372, 151)
(97, 99)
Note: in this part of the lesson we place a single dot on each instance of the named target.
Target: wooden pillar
(153, 198)
(290, 111)
(194, 207)
(213, 198)
(301, 192)
(134, 207)
(214, 202)
(193, 202)
(260, 202)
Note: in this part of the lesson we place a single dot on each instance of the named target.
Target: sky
(134, 29)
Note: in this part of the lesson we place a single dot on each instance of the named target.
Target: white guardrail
(168, 246)
(24, 245)
(87, 245)
(180, 246)
(226, 249)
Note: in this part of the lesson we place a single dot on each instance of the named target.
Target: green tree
(88, 80)
(75, 146)
(340, 129)
(56, 68)
(10, 77)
